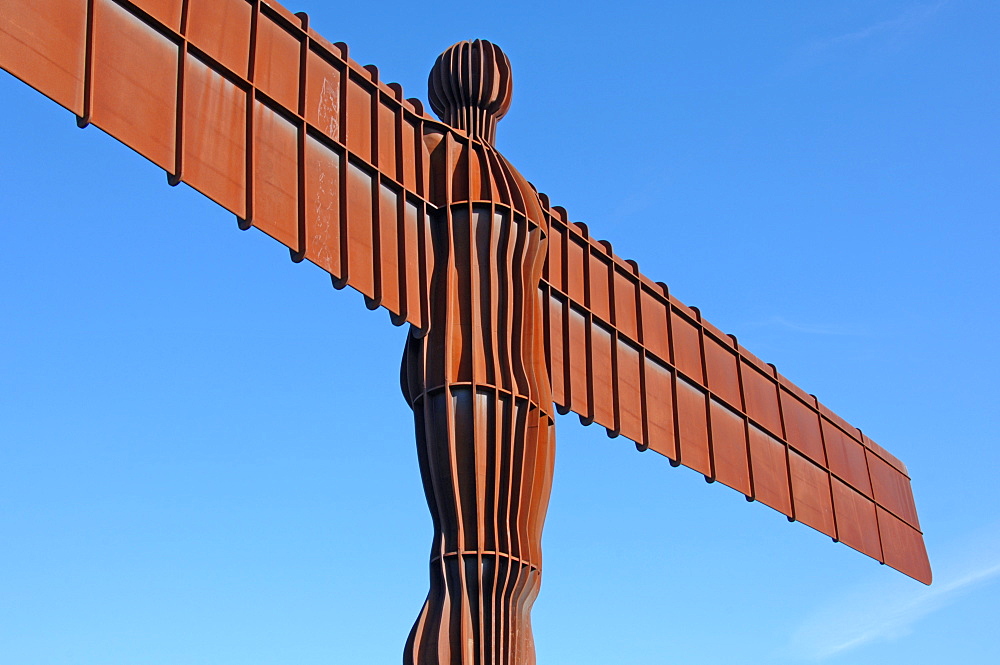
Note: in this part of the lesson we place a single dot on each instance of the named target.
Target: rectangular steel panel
(221, 28)
(386, 139)
(389, 234)
(722, 366)
(626, 304)
(847, 458)
(603, 385)
(903, 547)
(414, 222)
(659, 412)
(655, 335)
(323, 202)
(276, 62)
(811, 497)
(769, 466)
(554, 256)
(412, 155)
(761, 395)
(323, 82)
(629, 392)
(214, 150)
(857, 525)
(729, 448)
(135, 83)
(692, 424)
(359, 117)
(686, 347)
(275, 176)
(891, 490)
(555, 313)
(802, 429)
(360, 241)
(43, 43)
(575, 276)
(577, 362)
(599, 281)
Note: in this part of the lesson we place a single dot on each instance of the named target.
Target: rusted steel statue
(514, 309)
(478, 384)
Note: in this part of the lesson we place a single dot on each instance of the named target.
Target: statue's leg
(486, 460)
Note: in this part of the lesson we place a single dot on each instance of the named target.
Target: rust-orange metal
(514, 308)
(477, 380)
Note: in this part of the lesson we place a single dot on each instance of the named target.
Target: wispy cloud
(890, 610)
(890, 29)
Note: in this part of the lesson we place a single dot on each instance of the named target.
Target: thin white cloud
(889, 29)
(889, 610)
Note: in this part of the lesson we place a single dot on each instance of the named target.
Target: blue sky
(205, 458)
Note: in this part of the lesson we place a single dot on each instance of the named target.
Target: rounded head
(470, 87)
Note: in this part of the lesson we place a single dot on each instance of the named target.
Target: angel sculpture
(515, 311)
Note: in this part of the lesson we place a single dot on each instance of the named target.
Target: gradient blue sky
(205, 458)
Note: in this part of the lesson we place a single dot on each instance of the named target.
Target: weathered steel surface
(264, 117)
(283, 129)
(626, 354)
(477, 380)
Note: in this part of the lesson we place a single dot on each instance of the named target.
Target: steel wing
(626, 354)
(248, 105)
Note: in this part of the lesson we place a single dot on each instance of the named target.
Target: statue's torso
(489, 240)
